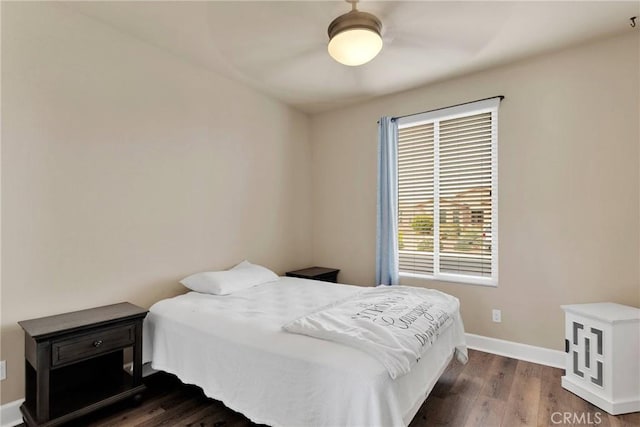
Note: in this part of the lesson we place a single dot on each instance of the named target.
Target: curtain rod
(443, 108)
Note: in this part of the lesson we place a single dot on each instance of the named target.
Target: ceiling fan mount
(354, 19)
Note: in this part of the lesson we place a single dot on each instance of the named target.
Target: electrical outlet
(496, 315)
(3, 370)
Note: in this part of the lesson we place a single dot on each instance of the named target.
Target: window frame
(478, 107)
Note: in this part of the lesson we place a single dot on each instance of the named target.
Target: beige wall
(125, 169)
(569, 186)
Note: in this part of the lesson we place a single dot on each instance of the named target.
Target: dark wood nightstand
(316, 273)
(74, 362)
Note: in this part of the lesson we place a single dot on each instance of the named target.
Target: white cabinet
(603, 355)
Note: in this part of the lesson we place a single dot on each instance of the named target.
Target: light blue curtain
(387, 230)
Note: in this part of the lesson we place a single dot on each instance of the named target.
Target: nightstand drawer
(89, 345)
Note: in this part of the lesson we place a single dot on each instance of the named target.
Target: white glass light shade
(355, 46)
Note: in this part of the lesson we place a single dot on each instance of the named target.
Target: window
(447, 169)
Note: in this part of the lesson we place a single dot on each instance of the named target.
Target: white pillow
(243, 276)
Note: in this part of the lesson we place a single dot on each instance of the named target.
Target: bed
(234, 348)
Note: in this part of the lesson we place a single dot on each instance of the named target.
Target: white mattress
(233, 347)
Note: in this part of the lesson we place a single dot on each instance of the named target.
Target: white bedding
(233, 347)
(394, 324)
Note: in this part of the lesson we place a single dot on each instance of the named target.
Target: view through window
(447, 170)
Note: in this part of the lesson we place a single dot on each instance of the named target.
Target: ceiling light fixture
(354, 38)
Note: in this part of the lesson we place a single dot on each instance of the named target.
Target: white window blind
(447, 193)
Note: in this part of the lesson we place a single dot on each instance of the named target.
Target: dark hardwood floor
(489, 391)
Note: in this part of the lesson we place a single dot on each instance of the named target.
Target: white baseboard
(10, 413)
(515, 350)
(146, 369)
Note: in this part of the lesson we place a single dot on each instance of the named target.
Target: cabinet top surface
(606, 311)
(50, 325)
(314, 271)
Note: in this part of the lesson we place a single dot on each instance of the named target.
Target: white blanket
(394, 324)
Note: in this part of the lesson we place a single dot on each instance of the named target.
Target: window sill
(455, 278)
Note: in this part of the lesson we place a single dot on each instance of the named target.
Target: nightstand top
(50, 325)
(313, 271)
(605, 311)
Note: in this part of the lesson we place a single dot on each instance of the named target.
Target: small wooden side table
(316, 273)
(74, 362)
